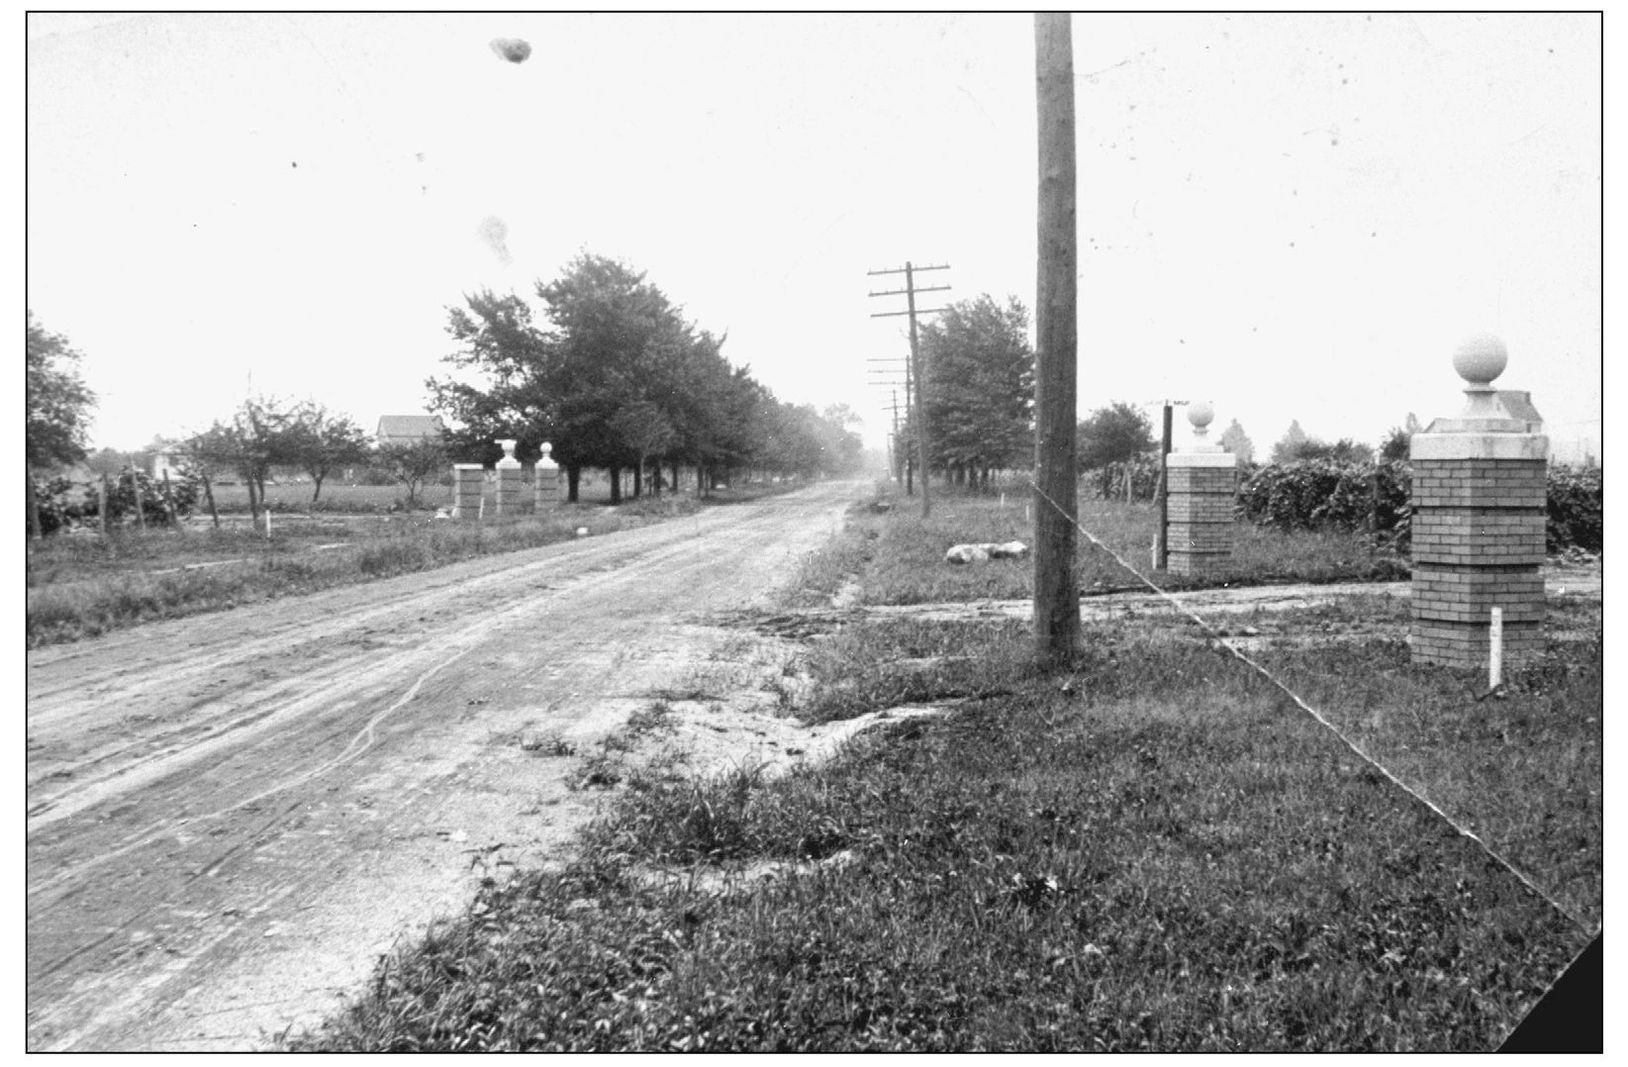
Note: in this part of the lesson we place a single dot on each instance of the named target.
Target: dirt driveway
(231, 817)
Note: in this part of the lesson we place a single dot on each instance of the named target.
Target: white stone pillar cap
(508, 461)
(1479, 360)
(546, 460)
(1200, 413)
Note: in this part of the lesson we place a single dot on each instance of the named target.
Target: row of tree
(615, 377)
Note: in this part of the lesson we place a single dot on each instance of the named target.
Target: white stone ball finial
(1479, 359)
(1200, 413)
(548, 449)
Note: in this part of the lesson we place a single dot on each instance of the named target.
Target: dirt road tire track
(231, 817)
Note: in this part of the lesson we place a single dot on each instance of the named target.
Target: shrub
(1319, 494)
(1576, 516)
(1108, 482)
(59, 505)
(63, 503)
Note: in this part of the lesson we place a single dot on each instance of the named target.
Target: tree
(59, 404)
(611, 327)
(501, 343)
(1234, 440)
(321, 442)
(1287, 450)
(258, 437)
(1113, 434)
(643, 427)
(979, 386)
(108, 461)
(1399, 439)
(412, 463)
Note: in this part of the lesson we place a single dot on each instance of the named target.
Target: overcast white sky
(1295, 216)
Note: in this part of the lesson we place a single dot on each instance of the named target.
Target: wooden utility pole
(1056, 593)
(897, 464)
(919, 421)
(1161, 556)
(1163, 560)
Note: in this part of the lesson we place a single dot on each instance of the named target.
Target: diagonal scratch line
(1216, 637)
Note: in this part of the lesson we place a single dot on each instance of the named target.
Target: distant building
(166, 460)
(406, 429)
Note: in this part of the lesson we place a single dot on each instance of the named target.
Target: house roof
(410, 426)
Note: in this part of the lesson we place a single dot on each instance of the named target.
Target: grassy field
(1153, 850)
(896, 557)
(81, 586)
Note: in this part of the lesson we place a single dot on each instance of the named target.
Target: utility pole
(900, 466)
(1161, 559)
(1056, 593)
(915, 369)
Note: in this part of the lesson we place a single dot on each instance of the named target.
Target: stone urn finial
(508, 459)
(1479, 359)
(1201, 413)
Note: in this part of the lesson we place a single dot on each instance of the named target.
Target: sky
(1295, 216)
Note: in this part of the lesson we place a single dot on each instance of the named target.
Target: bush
(1317, 495)
(65, 503)
(58, 504)
(1576, 516)
(1108, 482)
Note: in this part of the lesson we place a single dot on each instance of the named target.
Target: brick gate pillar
(1201, 483)
(468, 482)
(1480, 490)
(546, 481)
(507, 503)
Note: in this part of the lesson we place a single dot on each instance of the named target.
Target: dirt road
(231, 817)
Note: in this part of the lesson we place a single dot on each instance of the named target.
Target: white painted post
(268, 522)
(1495, 637)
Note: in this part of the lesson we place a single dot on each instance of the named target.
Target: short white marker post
(1495, 639)
(268, 522)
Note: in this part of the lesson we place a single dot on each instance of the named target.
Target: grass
(897, 557)
(1154, 851)
(83, 586)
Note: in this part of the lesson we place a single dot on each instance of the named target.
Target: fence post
(101, 506)
(169, 498)
(135, 486)
(1480, 489)
(209, 497)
